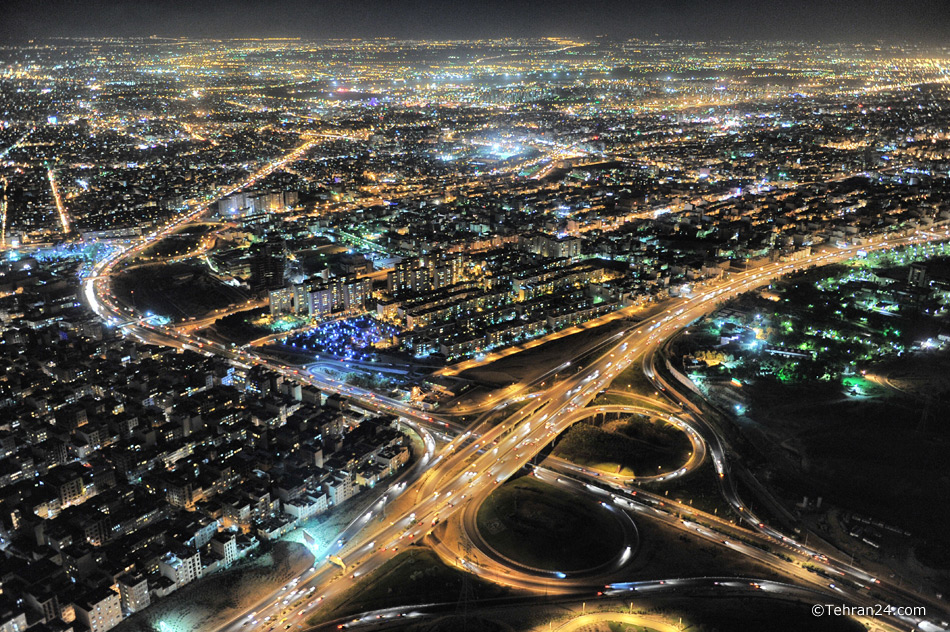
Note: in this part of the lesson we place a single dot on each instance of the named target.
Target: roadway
(696, 456)
(836, 567)
(3, 213)
(484, 457)
(614, 604)
(58, 199)
(500, 569)
(486, 454)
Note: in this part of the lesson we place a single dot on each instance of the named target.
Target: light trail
(60, 207)
(466, 470)
(3, 214)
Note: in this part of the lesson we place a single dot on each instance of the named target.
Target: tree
(712, 357)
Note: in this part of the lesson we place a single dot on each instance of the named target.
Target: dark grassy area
(197, 229)
(934, 555)
(633, 380)
(545, 527)
(616, 626)
(177, 291)
(173, 246)
(666, 552)
(413, 576)
(238, 327)
(459, 623)
(528, 365)
(880, 457)
(635, 446)
(699, 489)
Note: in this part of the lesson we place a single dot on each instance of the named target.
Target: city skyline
(535, 333)
(848, 21)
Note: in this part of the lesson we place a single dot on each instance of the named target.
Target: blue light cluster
(348, 339)
(88, 252)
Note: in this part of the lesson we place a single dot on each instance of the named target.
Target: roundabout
(557, 536)
(696, 456)
(543, 529)
(540, 566)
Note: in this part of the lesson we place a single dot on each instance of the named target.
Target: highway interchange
(487, 452)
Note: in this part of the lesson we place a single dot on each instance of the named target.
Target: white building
(342, 486)
(133, 592)
(100, 610)
(306, 506)
(183, 568)
(225, 545)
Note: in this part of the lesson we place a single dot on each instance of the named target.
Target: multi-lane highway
(477, 466)
(645, 338)
(470, 466)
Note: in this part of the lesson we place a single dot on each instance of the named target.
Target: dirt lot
(214, 600)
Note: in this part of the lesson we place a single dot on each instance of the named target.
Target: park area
(189, 240)
(635, 445)
(837, 383)
(345, 339)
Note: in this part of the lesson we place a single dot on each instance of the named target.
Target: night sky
(924, 21)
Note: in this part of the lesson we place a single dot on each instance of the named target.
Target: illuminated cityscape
(530, 333)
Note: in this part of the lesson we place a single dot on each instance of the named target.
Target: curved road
(461, 470)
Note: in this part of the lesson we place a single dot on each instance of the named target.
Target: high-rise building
(444, 269)
(407, 277)
(268, 260)
(551, 246)
(244, 203)
(225, 545)
(356, 292)
(282, 301)
(338, 294)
